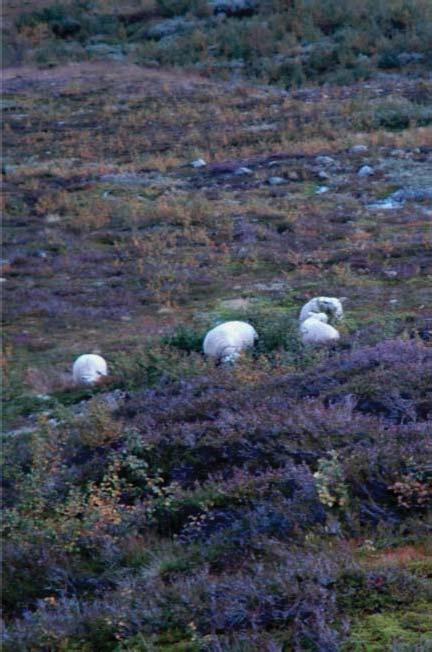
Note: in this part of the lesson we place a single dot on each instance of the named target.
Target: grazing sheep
(316, 330)
(331, 306)
(226, 341)
(88, 369)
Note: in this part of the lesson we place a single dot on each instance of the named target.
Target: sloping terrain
(278, 505)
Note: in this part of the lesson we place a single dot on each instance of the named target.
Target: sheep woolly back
(228, 339)
(331, 306)
(315, 330)
(88, 369)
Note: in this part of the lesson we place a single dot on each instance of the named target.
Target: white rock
(321, 190)
(358, 149)
(276, 181)
(226, 341)
(198, 163)
(366, 171)
(88, 369)
(241, 171)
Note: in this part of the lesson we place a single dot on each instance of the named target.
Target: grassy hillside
(282, 504)
(283, 42)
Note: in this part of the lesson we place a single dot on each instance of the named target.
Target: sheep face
(332, 306)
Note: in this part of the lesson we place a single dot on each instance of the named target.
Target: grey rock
(276, 181)
(106, 51)
(321, 190)
(273, 286)
(325, 160)
(366, 171)
(410, 57)
(412, 194)
(388, 204)
(293, 175)
(127, 179)
(323, 175)
(243, 171)
(358, 149)
(169, 27)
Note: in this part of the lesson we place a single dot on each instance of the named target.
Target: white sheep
(88, 369)
(331, 306)
(316, 330)
(226, 341)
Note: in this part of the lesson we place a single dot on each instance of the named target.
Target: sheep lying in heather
(88, 369)
(331, 306)
(316, 330)
(226, 341)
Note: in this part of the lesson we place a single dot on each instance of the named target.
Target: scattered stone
(323, 175)
(242, 171)
(388, 204)
(52, 218)
(410, 57)
(127, 178)
(321, 190)
(106, 51)
(263, 126)
(358, 149)
(276, 181)
(412, 194)
(366, 171)
(169, 27)
(293, 175)
(198, 163)
(325, 160)
(274, 286)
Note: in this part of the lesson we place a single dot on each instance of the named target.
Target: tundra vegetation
(280, 504)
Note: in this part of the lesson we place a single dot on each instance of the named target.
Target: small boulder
(169, 27)
(276, 181)
(366, 171)
(358, 149)
(325, 160)
(198, 163)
